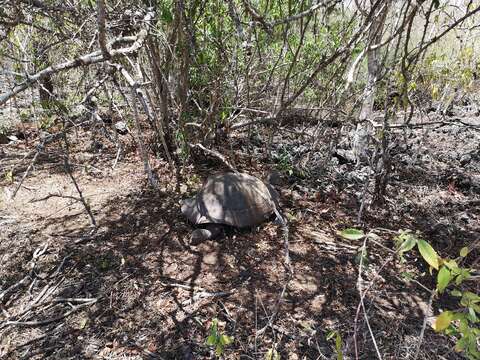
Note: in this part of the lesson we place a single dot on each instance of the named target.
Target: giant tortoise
(234, 199)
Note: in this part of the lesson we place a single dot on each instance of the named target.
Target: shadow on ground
(157, 296)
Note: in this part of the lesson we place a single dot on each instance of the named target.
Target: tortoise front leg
(210, 231)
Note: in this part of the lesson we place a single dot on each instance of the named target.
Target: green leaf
(213, 327)
(443, 321)
(451, 264)
(225, 340)
(464, 274)
(407, 245)
(470, 298)
(456, 293)
(458, 316)
(166, 14)
(463, 326)
(428, 253)
(461, 344)
(211, 340)
(272, 354)
(471, 315)
(219, 350)
(338, 346)
(352, 234)
(464, 251)
(443, 279)
(330, 335)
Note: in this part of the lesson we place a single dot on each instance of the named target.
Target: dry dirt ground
(135, 289)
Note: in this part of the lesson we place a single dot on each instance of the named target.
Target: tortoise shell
(234, 199)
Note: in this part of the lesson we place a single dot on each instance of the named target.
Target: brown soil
(156, 296)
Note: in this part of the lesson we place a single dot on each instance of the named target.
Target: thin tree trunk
(364, 128)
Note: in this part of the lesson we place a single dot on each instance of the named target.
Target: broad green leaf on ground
(352, 234)
(211, 340)
(428, 253)
(338, 346)
(407, 245)
(272, 354)
(225, 340)
(443, 321)
(464, 251)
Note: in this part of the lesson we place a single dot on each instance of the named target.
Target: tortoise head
(276, 178)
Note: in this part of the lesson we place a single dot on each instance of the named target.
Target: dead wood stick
(14, 286)
(215, 154)
(68, 169)
(55, 195)
(94, 88)
(43, 142)
(36, 254)
(272, 319)
(29, 342)
(428, 313)
(73, 300)
(37, 302)
(161, 129)
(59, 268)
(183, 286)
(305, 13)
(206, 294)
(51, 320)
(362, 305)
(32, 163)
(267, 120)
(288, 268)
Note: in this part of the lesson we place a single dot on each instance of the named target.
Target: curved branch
(88, 59)
(416, 52)
(310, 11)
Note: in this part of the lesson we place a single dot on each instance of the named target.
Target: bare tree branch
(88, 59)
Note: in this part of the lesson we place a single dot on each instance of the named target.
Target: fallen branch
(51, 320)
(215, 154)
(55, 195)
(36, 255)
(206, 294)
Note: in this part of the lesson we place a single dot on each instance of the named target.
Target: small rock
(296, 195)
(465, 159)
(121, 127)
(12, 138)
(210, 259)
(464, 217)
